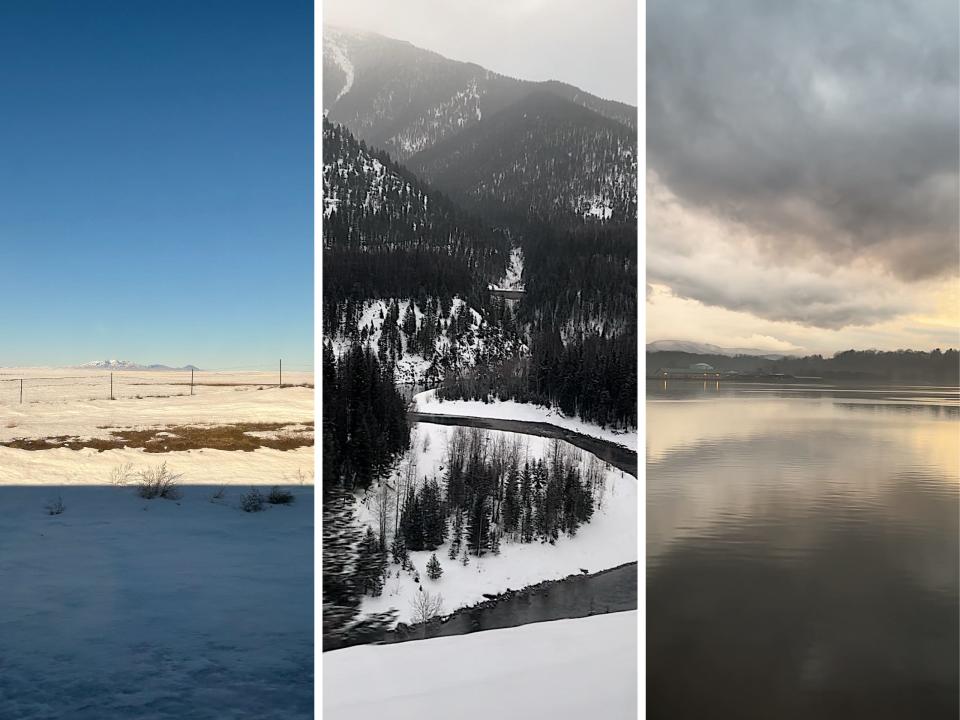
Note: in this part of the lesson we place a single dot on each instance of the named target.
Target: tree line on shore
(914, 366)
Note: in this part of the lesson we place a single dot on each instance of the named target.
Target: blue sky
(156, 182)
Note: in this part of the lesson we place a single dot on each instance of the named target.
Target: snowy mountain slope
(371, 201)
(543, 155)
(406, 99)
(387, 241)
(450, 348)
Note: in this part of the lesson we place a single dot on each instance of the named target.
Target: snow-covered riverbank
(427, 402)
(607, 541)
(567, 669)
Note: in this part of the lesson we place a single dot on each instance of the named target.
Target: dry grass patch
(177, 438)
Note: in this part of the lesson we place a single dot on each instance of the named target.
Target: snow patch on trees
(458, 337)
(336, 52)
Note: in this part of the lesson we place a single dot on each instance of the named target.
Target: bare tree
(122, 474)
(596, 477)
(426, 606)
(406, 478)
(457, 447)
(382, 505)
(159, 482)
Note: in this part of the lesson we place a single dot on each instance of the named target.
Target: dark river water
(612, 590)
(802, 552)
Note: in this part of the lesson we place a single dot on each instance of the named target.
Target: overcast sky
(591, 45)
(802, 173)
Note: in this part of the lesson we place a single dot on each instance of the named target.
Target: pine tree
(431, 509)
(495, 541)
(371, 563)
(511, 502)
(457, 540)
(479, 531)
(434, 571)
(410, 321)
(526, 504)
(398, 549)
(411, 520)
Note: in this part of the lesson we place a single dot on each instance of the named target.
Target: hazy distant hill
(689, 346)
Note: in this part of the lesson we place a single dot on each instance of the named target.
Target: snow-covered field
(53, 385)
(122, 607)
(62, 405)
(125, 608)
(562, 670)
(428, 402)
(607, 541)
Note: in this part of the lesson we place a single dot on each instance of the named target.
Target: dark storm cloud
(788, 294)
(825, 127)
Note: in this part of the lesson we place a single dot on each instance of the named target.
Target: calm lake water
(802, 552)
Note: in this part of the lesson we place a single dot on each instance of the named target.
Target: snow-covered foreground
(607, 541)
(428, 402)
(121, 607)
(568, 669)
(128, 608)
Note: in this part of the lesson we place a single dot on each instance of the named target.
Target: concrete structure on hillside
(699, 371)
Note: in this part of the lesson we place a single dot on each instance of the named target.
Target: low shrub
(158, 482)
(279, 496)
(55, 507)
(122, 474)
(252, 501)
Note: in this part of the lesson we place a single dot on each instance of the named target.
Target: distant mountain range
(128, 365)
(695, 348)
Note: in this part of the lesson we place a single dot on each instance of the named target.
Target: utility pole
(191, 381)
(111, 386)
(21, 391)
(281, 372)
